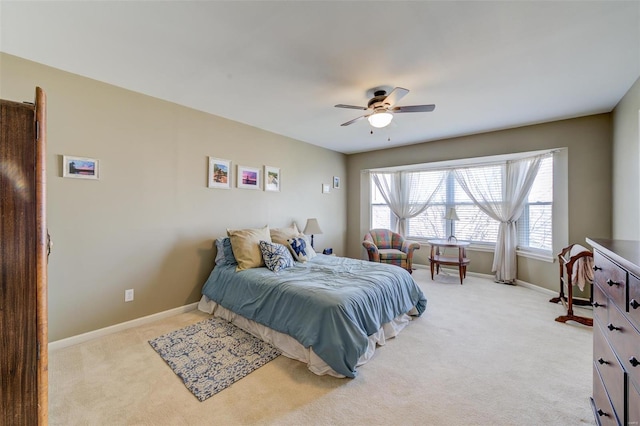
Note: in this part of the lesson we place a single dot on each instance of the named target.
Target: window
(381, 216)
(534, 226)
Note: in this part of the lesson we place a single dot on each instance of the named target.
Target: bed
(329, 312)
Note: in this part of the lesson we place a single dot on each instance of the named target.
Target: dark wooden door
(23, 324)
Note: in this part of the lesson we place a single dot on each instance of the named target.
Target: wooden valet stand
(566, 262)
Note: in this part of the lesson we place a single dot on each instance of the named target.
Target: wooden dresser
(616, 339)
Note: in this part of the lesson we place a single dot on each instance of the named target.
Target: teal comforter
(329, 303)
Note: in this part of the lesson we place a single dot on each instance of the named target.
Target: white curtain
(401, 193)
(504, 205)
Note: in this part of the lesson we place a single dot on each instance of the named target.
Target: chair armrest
(409, 246)
(370, 246)
(372, 251)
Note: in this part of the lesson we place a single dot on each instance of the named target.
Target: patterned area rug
(211, 355)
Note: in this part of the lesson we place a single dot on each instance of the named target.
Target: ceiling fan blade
(414, 108)
(351, 107)
(354, 120)
(395, 96)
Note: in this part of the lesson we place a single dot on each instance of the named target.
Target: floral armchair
(386, 246)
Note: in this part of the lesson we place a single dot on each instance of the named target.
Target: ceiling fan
(381, 107)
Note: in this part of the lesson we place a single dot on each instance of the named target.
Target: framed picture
(271, 178)
(219, 173)
(248, 177)
(336, 182)
(80, 167)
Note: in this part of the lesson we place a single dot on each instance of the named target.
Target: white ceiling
(282, 66)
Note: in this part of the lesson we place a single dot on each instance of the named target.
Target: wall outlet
(128, 295)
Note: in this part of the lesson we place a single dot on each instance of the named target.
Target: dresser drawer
(634, 300)
(600, 305)
(625, 340)
(634, 406)
(611, 372)
(611, 278)
(602, 407)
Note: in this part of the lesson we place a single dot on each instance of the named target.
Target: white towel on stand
(582, 269)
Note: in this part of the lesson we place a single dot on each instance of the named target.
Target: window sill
(486, 248)
(536, 256)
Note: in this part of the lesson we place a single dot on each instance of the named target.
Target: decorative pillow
(245, 244)
(228, 252)
(220, 252)
(281, 235)
(299, 248)
(276, 256)
(311, 253)
(224, 255)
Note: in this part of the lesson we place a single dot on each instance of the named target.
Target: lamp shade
(380, 119)
(312, 227)
(451, 214)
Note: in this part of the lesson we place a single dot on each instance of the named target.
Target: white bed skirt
(293, 349)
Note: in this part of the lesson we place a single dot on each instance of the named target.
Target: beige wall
(150, 221)
(587, 176)
(626, 157)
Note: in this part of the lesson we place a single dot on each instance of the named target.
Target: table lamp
(312, 228)
(451, 215)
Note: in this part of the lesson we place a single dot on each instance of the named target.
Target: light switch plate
(325, 188)
(128, 295)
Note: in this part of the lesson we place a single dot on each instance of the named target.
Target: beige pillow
(281, 235)
(245, 244)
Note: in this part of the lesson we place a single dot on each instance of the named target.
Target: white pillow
(300, 248)
(311, 253)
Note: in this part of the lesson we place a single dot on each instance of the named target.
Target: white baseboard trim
(74, 340)
(491, 277)
(536, 288)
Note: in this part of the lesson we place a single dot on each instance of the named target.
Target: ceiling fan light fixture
(380, 119)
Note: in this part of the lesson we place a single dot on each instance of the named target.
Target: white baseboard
(537, 288)
(491, 277)
(74, 340)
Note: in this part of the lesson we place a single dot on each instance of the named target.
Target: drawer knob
(597, 305)
(612, 283)
(634, 303)
(634, 361)
(602, 361)
(596, 268)
(613, 327)
(602, 413)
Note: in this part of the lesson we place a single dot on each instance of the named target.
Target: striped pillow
(276, 256)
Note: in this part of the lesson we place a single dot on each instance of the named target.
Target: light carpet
(482, 354)
(211, 355)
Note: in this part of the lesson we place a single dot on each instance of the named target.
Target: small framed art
(219, 173)
(336, 182)
(248, 177)
(80, 167)
(271, 178)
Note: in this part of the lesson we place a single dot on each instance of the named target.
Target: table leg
(460, 263)
(432, 263)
